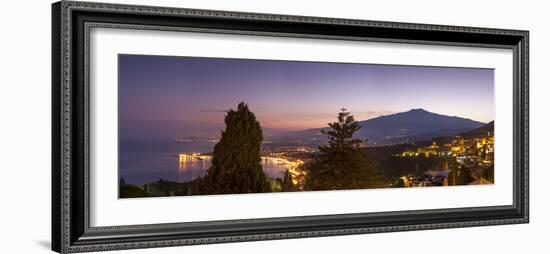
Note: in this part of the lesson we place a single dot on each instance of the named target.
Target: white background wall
(25, 125)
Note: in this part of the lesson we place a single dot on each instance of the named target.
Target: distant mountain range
(410, 126)
(405, 127)
(481, 131)
(475, 133)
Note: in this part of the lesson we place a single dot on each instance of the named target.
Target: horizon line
(308, 128)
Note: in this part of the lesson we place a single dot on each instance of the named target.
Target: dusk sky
(293, 95)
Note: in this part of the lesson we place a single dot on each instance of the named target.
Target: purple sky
(294, 95)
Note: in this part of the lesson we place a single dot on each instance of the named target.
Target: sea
(143, 162)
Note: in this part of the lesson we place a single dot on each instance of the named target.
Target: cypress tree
(236, 161)
(287, 183)
(343, 163)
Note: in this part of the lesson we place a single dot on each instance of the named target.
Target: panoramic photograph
(209, 126)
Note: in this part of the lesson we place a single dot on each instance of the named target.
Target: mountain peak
(418, 110)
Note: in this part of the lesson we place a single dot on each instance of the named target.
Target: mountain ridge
(402, 127)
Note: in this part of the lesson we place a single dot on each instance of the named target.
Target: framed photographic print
(181, 126)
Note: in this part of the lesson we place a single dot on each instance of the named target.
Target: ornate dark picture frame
(71, 22)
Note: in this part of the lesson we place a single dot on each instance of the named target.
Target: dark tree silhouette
(343, 163)
(236, 162)
(287, 183)
(131, 191)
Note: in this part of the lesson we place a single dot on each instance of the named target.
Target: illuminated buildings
(429, 150)
(472, 160)
(195, 163)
